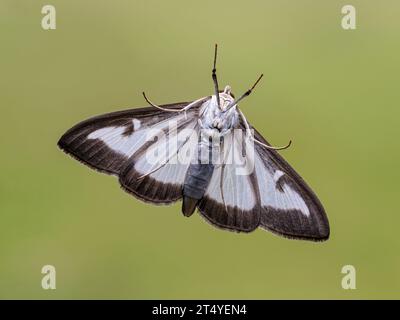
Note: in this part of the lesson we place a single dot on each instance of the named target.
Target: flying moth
(208, 155)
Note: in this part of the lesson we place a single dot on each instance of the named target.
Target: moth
(144, 147)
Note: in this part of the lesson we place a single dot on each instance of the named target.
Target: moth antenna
(244, 95)
(255, 83)
(214, 75)
(271, 147)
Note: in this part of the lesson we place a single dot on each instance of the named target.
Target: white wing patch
(285, 199)
(127, 145)
(236, 189)
(168, 159)
(136, 124)
(278, 174)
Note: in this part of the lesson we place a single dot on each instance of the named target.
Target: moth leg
(221, 184)
(251, 135)
(190, 105)
(271, 147)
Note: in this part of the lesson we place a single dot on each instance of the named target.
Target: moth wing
(106, 142)
(288, 205)
(231, 200)
(156, 172)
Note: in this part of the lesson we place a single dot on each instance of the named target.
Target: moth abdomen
(195, 185)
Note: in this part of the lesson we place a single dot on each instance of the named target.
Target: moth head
(226, 97)
(226, 100)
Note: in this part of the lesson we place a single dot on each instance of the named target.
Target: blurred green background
(334, 92)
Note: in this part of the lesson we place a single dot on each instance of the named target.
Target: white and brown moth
(190, 151)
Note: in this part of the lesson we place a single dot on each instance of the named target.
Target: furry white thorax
(216, 120)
